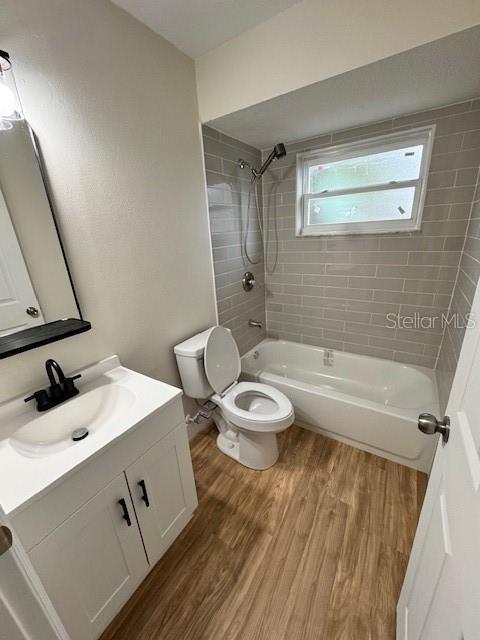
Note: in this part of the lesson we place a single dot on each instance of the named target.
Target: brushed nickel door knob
(428, 423)
(6, 539)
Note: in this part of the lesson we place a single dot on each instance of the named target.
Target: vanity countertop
(36, 449)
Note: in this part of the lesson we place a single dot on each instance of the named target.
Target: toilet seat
(256, 406)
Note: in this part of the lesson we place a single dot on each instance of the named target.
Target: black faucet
(57, 392)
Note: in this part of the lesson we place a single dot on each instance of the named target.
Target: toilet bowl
(248, 415)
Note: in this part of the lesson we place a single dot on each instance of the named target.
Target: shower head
(278, 151)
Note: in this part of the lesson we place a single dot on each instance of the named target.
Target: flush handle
(144, 495)
(428, 423)
(126, 515)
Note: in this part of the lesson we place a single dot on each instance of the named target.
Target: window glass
(376, 168)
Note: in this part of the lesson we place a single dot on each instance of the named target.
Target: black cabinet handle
(144, 495)
(126, 515)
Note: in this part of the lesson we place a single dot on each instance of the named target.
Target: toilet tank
(189, 355)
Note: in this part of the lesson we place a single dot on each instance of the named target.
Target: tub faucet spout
(255, 323)
(328, 357)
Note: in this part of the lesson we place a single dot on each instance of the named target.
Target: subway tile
(471, 267)
(416, 243)
(448, 258)
(448, 144)
(404, 297)
(455, 243)
(428, 286)
(466, 177)
(352, 244)
(390, 284)
(350, 269)
(344, 336)
(410, 271)
(368, 329)
(442, 179)
(447, 273)
(460, 211)
(436, 212)
(347, 316)
(379, 257)
(321, 323)
(460, 160)
(348, 294)
(453, 195)
(331, 281)
(463, 122)
(431, 115)
(368, 350)
(430, 336)
(471, 140)
(397, 345)
(445, 228)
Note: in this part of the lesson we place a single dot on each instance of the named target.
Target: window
(368, 186)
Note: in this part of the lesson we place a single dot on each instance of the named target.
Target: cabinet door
(91, 564)
(163, 491)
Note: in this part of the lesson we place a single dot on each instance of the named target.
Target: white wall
(114, 107)
(318, 39)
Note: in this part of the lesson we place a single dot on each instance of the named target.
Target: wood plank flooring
(314, 548)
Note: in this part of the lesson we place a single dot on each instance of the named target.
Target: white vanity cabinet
(94, 536)
(163, 492)
(91, 564)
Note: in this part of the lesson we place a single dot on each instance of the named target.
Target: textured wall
(228, 199)
(462, 298)
(337, 291)
(114, 107)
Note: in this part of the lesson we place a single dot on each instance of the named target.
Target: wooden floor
(314, 548)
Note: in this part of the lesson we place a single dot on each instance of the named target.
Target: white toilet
(248, 414)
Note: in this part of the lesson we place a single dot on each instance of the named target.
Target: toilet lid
(221, 359)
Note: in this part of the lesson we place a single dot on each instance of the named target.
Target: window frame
(366, 146)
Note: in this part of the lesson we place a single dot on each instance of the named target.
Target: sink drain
(79, 434)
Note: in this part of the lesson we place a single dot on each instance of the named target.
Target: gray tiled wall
(337, 291)
(462, 298)
(228, 197)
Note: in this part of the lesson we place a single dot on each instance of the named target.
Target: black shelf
(41, 335)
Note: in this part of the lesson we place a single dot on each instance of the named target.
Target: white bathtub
(369, 403)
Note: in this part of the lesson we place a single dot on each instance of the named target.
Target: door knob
(428, 423)
(6, 539)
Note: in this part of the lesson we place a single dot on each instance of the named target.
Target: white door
(25, 610)
(440, 598)
(91, 564)
(16, 290)
(163, 491)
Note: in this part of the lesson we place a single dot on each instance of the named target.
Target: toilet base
(254, 450)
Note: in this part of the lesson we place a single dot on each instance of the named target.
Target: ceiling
(196, 26)
(435, 74)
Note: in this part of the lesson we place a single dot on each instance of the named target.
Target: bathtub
(369, 403)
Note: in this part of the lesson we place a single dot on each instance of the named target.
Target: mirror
(38, 304)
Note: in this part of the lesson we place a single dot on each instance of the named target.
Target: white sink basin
(94, 409)
(37, 449)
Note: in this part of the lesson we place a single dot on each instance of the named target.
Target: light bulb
(7, 101)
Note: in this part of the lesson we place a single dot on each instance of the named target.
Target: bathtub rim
(407, 414)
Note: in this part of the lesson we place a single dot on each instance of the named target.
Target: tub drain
(79, 434)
